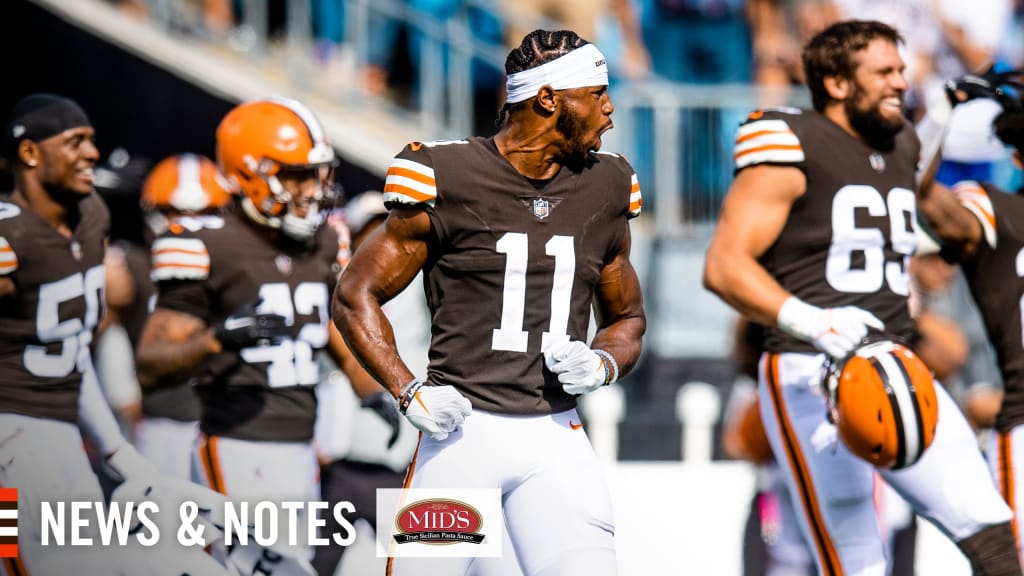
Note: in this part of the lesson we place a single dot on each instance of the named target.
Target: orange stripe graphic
(760, 133)
(779, 147)
(412, 175)
(828, 558)
(405, 190)
(405, 486)
(211, 463)
(990, 217)
(9, 552)
(159, 251)
(180, 265)
(1006, 480)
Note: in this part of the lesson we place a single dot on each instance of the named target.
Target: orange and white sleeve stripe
(180, 259)
(410, 182)
(973, 197)
(766, 141)
(8, 259)
(636, 200)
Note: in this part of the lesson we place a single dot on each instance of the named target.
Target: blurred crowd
(686, 41)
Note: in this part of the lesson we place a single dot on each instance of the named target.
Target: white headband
(583, 67)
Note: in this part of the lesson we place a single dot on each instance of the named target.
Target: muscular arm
(172, 346)
(753, 215)
(620, 310)
(382, 267)
(362, 383)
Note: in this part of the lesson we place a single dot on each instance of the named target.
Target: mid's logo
(439, 521)
(8, 522)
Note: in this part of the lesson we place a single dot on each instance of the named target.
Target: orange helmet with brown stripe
(882, 399)
(259, 140)
(182, 184)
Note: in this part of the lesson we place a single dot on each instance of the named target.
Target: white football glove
(580, 369)
(435, 410)
(834, 331)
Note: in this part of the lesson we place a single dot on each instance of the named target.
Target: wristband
(611, 367)
(407, 393)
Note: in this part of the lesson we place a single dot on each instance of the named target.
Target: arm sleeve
(975, 198)
(8, 259)
(410, 178)
(766, 138)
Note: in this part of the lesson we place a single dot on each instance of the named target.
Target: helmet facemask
(291, 206)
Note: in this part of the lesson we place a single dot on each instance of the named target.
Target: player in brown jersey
(243, 306)
(978, 226)
(518, 236)
(52, 233)
(813, 241)
(183, 186)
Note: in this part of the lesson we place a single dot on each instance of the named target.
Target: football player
(184, 186)
(977, 225)
(518, 236)
(52, 233)
(813, 241)
(242, 307)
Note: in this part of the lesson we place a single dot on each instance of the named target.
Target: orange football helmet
(882, 400)
(187, 184)
(182, 185)
(256, 141)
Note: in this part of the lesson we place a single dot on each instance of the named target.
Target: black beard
(570, 127)
(876, 130)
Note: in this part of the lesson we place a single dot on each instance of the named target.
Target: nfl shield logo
(284, 264)
(541, 208)
(877, 162)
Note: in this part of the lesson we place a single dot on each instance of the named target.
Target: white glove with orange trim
(834, 331)
(435, 410)
(580, 369)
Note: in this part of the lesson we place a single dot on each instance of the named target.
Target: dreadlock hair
(1009, 128)
(538, 47)
(831, 53)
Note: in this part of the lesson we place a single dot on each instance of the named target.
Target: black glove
(386, 407)
(247, 328)
(986, 85)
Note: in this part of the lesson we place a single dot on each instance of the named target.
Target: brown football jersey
(214, 266)
(848, 239)
(514, 263)
(996, 277)
(47, 325)
(177, 403)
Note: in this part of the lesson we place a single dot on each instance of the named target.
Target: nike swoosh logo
(574, 425)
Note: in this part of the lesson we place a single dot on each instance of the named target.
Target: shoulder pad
(409, 182)
(8, 259)
(766, 138)
(974, 197)
(176, 258)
